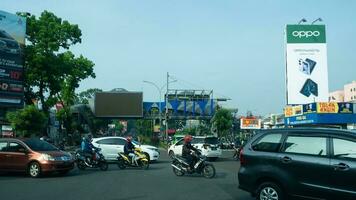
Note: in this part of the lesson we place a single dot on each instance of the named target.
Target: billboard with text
(306, 64)
(12, 43)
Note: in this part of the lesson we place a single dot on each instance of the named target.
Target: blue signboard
(314, 118)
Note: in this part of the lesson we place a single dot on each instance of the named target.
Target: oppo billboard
(306, 59)
(118, 104)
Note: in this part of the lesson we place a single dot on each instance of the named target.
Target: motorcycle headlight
(47, 157)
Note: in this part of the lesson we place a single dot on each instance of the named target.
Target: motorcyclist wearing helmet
(187, 151)
(129, 148)
(87, 148)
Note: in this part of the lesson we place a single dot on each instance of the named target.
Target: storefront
(328, 114)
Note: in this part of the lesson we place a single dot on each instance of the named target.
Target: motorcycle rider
(129, 148)
(87, 148)
(187, 151)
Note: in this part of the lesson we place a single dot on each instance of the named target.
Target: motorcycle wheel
(144, 164)
(121, 164)
(103, 165)
(178, 172)
(209, 171)
(81, 165)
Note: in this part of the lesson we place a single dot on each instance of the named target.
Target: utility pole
(166, 116)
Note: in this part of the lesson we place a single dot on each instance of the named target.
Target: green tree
(49, 65)
(80, 69)
(144, 127)
(222, 120)
(84, 96)
(28, 121)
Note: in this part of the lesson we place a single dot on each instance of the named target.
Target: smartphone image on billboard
(306, 66)
(309, 87)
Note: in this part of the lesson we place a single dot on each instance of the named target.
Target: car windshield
(211, 140)
(136, 142)
(198, 141)
(39, 145)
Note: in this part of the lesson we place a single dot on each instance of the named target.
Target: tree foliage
(84, 96)
(51, 70)
(28, 121)
(144, 127)
(222, 120)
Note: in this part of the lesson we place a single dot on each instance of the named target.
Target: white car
(207, 144)
(111, 146)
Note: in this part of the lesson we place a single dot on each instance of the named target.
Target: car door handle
(7, 155)
(341, 167)
(286, 159)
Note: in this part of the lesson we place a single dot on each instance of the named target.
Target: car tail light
(241, 157)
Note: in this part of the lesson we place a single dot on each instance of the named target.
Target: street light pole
(160, 100)
(166, 115)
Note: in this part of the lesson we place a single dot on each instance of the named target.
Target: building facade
(348, 94)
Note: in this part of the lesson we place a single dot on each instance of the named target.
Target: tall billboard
(118, 104)
(12, 43)
(306, 64)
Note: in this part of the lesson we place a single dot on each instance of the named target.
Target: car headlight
(47, 157)
(153, 149)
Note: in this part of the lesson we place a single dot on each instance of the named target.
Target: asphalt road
(156, 183)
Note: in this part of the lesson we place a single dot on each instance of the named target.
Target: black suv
(309, 163)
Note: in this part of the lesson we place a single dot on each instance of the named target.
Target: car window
(3, 146)
(119, 141)
(305, 145)
(198, 141)
(112, 141)
(14, 147)
(180, 142)
(106, 141)
(39, 145)
(268, 143)
(211, 140)
(344, 148)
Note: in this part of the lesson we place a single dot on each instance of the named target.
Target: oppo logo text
(305, 34)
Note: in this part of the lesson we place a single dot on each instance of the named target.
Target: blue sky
(235, 48)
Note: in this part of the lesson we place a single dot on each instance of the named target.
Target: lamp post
(160, 89)
(317, 20)
(160, 95)
(302, 20)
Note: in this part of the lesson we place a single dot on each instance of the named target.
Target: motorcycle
(140, 160)
(83, 161)
(181, 166)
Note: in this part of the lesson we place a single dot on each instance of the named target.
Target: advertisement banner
(327, 107)
(250, 123)
(306, 63)
(309, 108)
(346, 108)
(293, 110)
(12, 43)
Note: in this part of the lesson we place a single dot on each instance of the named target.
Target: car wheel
(269, 191)
(171, 154)
(34, 169)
